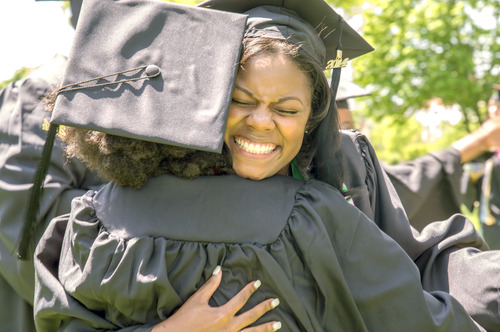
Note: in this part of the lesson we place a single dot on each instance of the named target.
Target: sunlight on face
(268, 116)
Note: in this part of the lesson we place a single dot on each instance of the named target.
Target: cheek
(299, 139)
(294, 136)
(230, 123)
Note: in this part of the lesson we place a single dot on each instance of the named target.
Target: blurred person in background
(431, 187)
(22, 114)
(486, 190)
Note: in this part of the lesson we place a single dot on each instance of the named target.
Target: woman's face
(269, 112)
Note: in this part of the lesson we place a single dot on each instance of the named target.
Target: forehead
(273, 71)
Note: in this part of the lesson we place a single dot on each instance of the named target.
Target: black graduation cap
(318, 14)
(156, 77)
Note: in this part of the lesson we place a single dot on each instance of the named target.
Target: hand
(197, 315)
(483, 139)
(492, 129)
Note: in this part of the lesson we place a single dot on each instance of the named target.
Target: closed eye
(286, 112)
(241, 103)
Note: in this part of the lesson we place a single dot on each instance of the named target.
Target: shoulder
(236, 209)
(328, 202)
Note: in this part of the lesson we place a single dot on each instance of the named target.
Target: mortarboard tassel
(335, 79)
(30, 222)
(326, 156)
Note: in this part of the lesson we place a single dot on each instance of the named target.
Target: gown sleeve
(422, 184)
(450, 254)
(383, 280)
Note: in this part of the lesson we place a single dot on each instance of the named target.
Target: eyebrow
(279, 100)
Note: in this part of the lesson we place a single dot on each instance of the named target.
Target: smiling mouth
(253, 147)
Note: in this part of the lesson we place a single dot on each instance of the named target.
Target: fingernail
(276, 326)
(257, 284)
(216, 271)
(275, 303)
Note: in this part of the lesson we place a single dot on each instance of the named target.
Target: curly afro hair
(131, 162)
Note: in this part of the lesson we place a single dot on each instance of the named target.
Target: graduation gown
(127, 259)
(451, 255)
(21, 142)
(486, 191)
(491, 231)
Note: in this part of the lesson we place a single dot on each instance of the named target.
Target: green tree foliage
(395, 142)
(20, 73)
(426, 49)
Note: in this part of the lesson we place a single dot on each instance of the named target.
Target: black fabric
(486, 192)
(318, 13)
(429, 187)
(342, 103)
(316, 255)
(21, 141)
(451, 255)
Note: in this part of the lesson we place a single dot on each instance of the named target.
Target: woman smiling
(269, 114)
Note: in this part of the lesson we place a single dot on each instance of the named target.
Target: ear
(308, 125)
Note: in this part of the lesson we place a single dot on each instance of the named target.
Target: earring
(307, 131)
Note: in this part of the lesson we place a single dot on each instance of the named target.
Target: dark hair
(131, 162)
(320, 155)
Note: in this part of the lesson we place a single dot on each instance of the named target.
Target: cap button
(152, 70)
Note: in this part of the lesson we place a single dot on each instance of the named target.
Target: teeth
(254, 147)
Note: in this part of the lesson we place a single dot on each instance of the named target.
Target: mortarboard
(149, 70)
(325, 22)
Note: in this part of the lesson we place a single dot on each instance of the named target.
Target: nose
(261, 118)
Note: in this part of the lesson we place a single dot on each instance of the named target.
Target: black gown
(22, 114)
(450, 254)
(130, 258)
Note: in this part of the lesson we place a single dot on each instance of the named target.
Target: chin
(252, 175)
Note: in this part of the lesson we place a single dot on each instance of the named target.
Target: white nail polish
(276, 326)
(275, 303)
(257, 284)
(217, 270)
